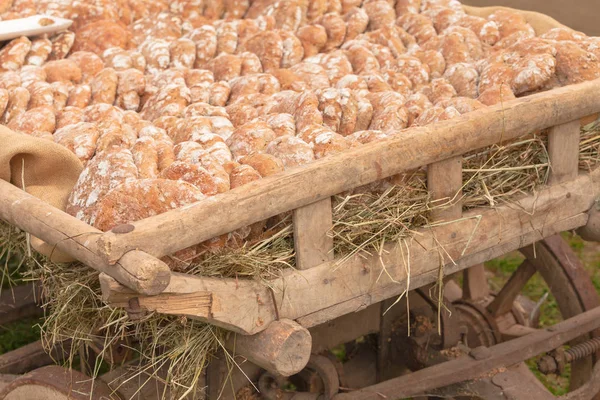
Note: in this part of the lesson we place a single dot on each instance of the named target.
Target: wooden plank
(177, 229)
(563, 151)
(444, 182)
(136, 270)
(241, 306)
(320, 294)
(19, 302)
(345, 328)
(312, 241)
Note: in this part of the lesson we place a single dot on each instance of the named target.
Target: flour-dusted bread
(137, 199)
(104, 172)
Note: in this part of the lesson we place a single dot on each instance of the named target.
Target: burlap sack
(46, 170)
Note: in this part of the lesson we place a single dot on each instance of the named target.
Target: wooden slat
(444, 182)
(563, 150)
(178, 229)
(322, 293)
(312, 241)
(137, 270)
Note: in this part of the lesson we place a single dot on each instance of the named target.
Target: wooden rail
(177, 229)
(136, 269)
(319, 294)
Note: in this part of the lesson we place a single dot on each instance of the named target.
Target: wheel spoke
(503, 302)
(475, 286)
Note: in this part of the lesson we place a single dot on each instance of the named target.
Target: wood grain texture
(312, 243)
(319, 294)
(444, 182)
(177, 229)
(283, 348)
(136, 269)
(241, 306)
(563, 151)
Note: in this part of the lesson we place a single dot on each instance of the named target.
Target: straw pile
(363, 222)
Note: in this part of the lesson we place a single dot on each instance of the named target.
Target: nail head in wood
(123, 228)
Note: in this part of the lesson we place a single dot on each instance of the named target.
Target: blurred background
(581, 15)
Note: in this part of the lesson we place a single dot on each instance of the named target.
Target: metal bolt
(134, 311)
(582, 350)
(480, 353)
(555, 361)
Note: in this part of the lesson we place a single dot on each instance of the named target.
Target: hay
(497, 174)
(13, 252)
(363, 222)
(589, 146)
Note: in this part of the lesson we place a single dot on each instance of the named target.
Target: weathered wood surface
(283, 348)
(312, 243)
(322, 293)
(563, 151)
(22, 301)
(444, 182)
(242, 306)
(32, 356)
(136, 269)
(177, 229)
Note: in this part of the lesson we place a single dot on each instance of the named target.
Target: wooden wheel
(56, 383)
(507, 315)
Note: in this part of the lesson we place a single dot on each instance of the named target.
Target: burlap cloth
(49, 171)
(45, 169)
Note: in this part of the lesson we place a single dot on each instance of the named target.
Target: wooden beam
(283, 348)
(136, 269)
(177, 229)
(563, 151)
(312, 241)
(319, 294)
(243, 306)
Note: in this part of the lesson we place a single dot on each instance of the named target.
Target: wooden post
(137, 270)
(312, 241)
(283, 348)
(444, 181)
(563, 150)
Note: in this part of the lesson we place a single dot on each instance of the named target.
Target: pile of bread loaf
(167, 102)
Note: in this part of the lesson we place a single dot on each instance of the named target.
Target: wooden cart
(282, 327)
